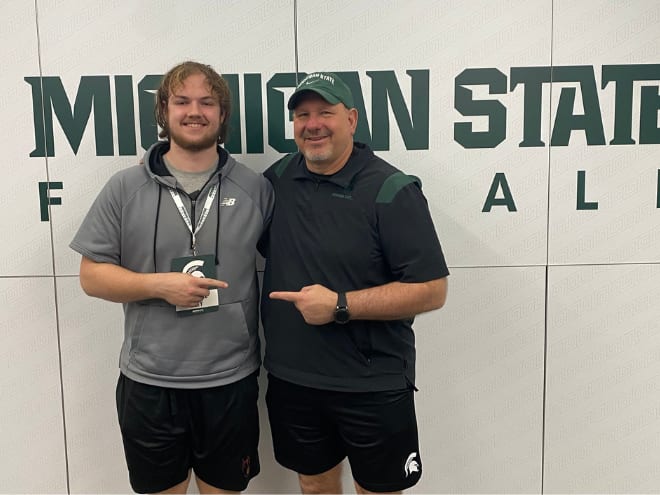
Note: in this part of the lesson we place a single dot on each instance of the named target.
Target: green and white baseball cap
(326, 84)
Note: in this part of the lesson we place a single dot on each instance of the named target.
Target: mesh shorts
(166, 432)
(313, 430)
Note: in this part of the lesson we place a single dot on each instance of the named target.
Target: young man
(175, 241)
(353, 256)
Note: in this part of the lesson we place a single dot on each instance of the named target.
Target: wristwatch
(341, 311)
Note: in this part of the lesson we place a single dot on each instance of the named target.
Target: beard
(317, 156)
(200, 143)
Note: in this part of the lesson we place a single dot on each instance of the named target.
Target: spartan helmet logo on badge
(411, 466)
(194, 268)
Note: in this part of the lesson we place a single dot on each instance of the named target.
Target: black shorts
(313, 430)
(167, 432)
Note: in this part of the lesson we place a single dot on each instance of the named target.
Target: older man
(353, 257)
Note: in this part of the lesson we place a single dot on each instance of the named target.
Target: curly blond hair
(175, 78)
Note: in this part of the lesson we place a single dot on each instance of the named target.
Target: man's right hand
(182, 289)
(118, 284)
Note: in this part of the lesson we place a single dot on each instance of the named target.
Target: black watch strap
(342, 314)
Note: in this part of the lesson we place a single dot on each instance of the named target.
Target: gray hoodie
(134, 223)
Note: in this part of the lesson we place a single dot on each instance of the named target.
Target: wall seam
(547, 257)
(295, 37)
(52, 252)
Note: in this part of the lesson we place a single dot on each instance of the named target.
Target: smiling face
(194, 115)
(323, 133)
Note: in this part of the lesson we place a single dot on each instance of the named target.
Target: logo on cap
(327, 85)
(317, 75)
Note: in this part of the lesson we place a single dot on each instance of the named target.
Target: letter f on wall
(45, 200)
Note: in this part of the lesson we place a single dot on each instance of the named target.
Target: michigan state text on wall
(94, 93)
(94, 96)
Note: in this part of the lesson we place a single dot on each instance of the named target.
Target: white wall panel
(26, 246)
(446, 38)
(602, 415)
(91, 334)
(480, 380)
(32, 453)
(621, 178)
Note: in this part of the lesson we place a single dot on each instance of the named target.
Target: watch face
(341, 315)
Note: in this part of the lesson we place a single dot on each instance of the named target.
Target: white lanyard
(186, 217)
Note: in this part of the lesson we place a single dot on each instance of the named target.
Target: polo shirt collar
(344, 177)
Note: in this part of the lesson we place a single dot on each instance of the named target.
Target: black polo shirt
(364, 226)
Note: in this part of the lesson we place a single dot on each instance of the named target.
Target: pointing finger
(285, 296)
(211, 283)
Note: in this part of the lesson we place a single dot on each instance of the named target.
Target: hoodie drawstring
(217, 224)
(160, 192)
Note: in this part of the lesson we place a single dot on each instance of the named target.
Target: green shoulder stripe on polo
(393, 184)
(284, 163)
